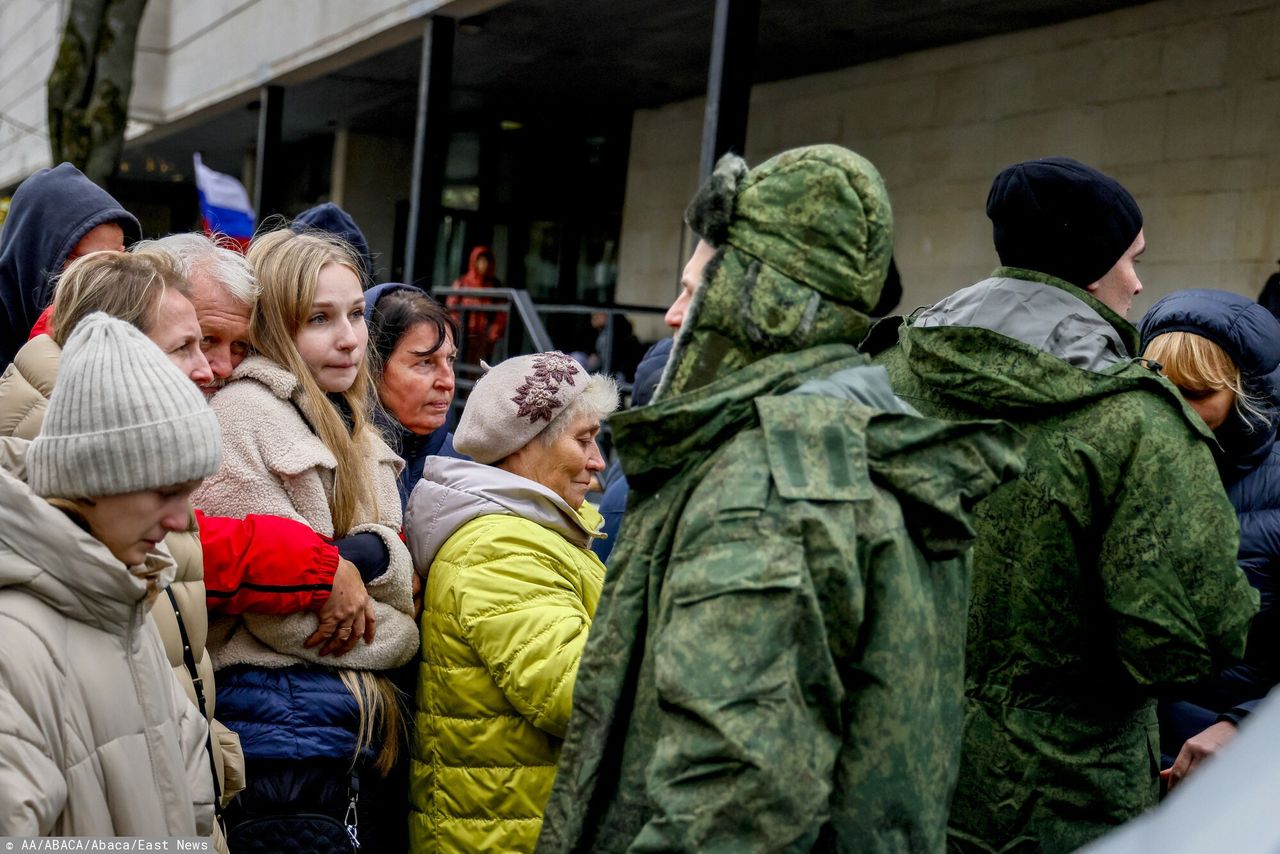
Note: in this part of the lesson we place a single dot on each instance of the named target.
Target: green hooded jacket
(776, 660)
(1102, 575)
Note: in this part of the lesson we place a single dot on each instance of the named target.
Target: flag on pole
(224, 205)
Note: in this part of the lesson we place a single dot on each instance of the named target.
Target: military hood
(49, 214)
(803, 243)
(452, 492)
(979, 365)
(46, 555)
(1250, 336)
(1046, 318)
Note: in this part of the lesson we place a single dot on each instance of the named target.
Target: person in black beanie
(1068, 220)
(1103, 575)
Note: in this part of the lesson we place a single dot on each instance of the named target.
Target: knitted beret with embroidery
(514, 402)
(122, 418)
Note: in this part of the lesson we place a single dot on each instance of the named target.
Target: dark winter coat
(48, 215)
(333, 219)
(614, 501)
(1249, 461)
(1103, 575)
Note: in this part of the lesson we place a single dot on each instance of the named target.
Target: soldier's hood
(452, 492)
(802, 249)
(1043, 316)
(936, 469)
(982, 352)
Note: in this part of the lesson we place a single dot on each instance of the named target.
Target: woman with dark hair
(416, 341)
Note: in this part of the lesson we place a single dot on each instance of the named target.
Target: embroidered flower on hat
(539, 396)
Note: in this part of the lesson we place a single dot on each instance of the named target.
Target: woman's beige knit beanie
(122, 418)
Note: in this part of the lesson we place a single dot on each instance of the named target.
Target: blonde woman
(1222, 351)
(299, 444)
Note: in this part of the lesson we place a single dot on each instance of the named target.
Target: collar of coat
(997, 376)
(452, 492)
(669, 435)
(46, 555)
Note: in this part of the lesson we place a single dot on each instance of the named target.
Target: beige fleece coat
(96, 736)
(273, 464)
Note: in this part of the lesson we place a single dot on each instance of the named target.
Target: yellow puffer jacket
(510, 594)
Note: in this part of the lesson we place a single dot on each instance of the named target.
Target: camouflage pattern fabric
(1102, 575)
(775, 663)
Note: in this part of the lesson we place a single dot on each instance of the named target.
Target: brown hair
(287, 266)
(123, 284)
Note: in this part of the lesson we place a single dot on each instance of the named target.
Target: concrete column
(267, 192)
(733, 50)
(430, 147)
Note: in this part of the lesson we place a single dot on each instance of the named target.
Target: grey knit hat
(514, 402)
(122, 418)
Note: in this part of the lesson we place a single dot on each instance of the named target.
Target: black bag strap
(189, 659)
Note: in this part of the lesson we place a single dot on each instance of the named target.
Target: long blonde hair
(1195, 363)
(287, 266)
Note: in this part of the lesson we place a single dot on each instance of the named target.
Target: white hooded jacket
(96, 736)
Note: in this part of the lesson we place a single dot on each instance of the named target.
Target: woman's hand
(1197, 749)
(347, 615)
(417, 595)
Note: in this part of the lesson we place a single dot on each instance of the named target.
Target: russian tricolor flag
(224, 205)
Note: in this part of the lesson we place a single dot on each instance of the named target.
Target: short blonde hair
(1195, 363)
(129, 286)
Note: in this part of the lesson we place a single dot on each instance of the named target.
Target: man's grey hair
(194, 253)
(599, 399)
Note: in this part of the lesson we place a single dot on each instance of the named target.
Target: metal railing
(528, 334)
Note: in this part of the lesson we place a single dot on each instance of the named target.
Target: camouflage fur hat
(803, 243)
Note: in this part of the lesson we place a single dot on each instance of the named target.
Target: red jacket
(264, 564)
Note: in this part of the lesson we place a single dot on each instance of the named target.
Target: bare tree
(90, 84)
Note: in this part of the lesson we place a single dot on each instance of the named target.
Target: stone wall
(1178, 99)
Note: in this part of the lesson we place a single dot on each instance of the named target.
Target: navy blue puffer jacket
(1249, 461)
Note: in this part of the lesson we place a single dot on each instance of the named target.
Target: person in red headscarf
(482, 330)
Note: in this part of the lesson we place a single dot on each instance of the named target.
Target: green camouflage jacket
(1103, 574)
(775, 662)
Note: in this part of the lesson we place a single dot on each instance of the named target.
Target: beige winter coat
(96, 737)
(25, 387)
(272, 463)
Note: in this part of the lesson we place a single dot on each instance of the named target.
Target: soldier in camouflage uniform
(1104, 573)
(775, 664)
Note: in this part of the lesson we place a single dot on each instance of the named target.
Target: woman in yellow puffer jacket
(509, 597)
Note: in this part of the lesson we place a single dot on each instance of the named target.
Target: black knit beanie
(1060, 217)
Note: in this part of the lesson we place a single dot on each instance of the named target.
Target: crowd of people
(990, 576)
